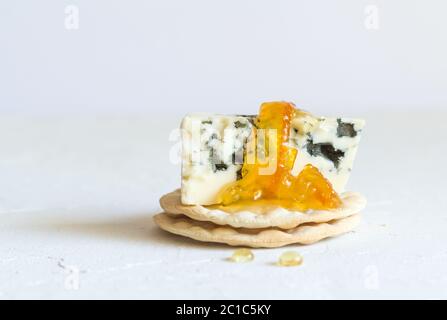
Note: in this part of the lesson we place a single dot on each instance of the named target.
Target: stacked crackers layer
(274, 228)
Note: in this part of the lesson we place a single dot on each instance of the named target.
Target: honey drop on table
(290, 259)
(242, 255)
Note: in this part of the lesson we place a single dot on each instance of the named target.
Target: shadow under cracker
(138, 228)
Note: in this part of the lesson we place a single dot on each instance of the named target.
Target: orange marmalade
(264, 184)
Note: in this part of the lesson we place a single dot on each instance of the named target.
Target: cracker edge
(266, 238)
(171, 202)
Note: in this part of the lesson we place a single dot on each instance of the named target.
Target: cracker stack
(275, 228)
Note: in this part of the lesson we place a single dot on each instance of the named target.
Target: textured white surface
(77, 196)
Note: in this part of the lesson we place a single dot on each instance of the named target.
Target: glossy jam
(308, 190)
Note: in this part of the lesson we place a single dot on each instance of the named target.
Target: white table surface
(77, 195)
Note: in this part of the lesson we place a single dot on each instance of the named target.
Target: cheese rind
(213, 147)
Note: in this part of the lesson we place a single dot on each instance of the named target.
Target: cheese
(330, 144)
(213, 149)
(212, 154)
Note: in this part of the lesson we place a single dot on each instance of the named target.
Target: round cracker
(256, 238)
(276, 217)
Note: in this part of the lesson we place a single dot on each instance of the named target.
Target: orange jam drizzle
(308, 190)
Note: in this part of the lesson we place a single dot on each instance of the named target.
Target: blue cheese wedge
(214, 147)
(212, 154)
(330, 144)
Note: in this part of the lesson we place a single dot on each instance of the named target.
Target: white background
(85, 118)
(198, 55)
